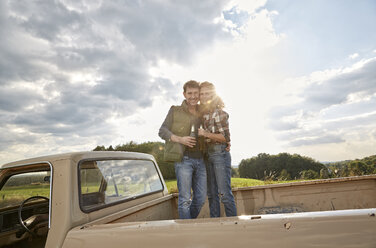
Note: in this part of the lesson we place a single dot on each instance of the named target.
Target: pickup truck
(119, 199)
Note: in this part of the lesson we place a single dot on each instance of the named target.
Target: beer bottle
(201, 141)
(193, 134)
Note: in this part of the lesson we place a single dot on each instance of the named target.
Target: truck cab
(43, 198)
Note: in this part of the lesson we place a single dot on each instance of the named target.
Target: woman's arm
(218, 137)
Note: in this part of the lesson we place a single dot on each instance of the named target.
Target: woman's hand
(228, 146)
(202, 132)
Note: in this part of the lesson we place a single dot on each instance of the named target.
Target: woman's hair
(217, 101)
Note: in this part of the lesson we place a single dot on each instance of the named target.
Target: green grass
(26, 192)
(245, 182)
(171, 186)
(16, 194)
(235, 183)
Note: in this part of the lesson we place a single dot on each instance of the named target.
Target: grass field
(235, 183)
(16, 194)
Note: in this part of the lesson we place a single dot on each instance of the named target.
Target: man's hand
(186, 140)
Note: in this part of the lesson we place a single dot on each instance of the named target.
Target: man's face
(206, 95)
(192, 96)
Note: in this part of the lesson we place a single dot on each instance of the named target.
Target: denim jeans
(219, 181)
(190, 174)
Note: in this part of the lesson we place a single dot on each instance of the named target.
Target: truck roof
(77, 156)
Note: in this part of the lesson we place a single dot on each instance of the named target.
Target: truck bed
(308, 196)
(341, 228)
(321, 213)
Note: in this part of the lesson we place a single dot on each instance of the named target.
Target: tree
(99, 148)
(282, 166)
(357, 167)
(324, 173)
(234, 172)
(284, 176)
(309, 174)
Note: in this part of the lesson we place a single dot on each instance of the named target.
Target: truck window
(24, 206)
(106, 182)
(22, 186)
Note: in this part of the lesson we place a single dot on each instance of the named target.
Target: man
(186, 151)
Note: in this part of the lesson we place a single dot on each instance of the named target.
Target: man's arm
(164, 130)
(166, 134)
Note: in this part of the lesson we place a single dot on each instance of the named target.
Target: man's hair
(217, 101)
(191, 84)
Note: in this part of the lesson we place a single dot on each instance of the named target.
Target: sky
(295, 76)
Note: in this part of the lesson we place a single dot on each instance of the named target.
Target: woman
(217, 136)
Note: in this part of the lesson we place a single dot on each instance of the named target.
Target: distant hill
(356, 167)
(368, 160)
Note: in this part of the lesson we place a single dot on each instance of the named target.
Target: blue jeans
(190, 174)
(219, 181)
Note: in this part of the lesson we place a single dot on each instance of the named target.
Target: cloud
(17, 99)
(74, 74)
(326, 139)
(336, 90)
(329, 107)
(9, 137)
(283, 125)
(66, 67)
(354, 56)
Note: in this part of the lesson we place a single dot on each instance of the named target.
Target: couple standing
(208, 144)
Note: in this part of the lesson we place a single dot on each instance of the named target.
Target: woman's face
(206, 95)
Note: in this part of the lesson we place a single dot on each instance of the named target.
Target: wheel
(34, 220)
